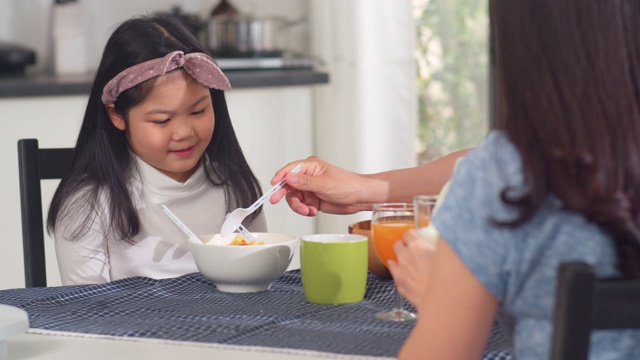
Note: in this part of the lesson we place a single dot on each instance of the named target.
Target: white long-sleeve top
(160, 250)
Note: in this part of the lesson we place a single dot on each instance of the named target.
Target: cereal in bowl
(239, 240)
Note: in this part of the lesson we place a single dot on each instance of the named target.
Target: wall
(366, 118)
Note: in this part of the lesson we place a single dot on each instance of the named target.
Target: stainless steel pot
(243, 35)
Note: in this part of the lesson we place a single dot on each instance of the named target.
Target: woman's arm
(426, 179)
(321, 186)
(455, 312)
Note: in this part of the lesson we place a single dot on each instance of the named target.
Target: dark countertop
(50, 85)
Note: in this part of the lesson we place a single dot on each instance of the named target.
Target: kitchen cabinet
(274, 125)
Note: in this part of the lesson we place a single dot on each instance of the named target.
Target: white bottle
(69, 42)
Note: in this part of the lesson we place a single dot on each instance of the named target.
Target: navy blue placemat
(190, 308)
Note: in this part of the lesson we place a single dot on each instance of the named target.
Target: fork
(247, 234)
(234, 219)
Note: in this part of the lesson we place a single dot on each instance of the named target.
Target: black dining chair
(585, 303)
(34, 165)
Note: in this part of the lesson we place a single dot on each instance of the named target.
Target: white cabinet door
(55, 122)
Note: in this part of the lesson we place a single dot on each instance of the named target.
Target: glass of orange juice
(423, 206)
(389, 222)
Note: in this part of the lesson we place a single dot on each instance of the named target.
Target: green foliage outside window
(453, 65)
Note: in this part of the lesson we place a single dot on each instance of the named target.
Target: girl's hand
(320, 186)
(412, 271)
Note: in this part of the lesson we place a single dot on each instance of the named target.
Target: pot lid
(224, 9)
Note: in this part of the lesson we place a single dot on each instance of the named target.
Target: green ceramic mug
(334, 268)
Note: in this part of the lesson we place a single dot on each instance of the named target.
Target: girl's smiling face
(172, 127)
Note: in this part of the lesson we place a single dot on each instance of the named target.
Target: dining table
(188, 317)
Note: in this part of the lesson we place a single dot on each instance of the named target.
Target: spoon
(181, 225)
(234, 219)
(193, 237)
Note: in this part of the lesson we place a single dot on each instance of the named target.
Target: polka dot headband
(199, 65)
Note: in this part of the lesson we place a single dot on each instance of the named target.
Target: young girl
(559, 180)
(156, 131)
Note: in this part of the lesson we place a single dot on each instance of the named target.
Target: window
(452, 52)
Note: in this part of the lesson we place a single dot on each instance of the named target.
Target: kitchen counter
(47, 85)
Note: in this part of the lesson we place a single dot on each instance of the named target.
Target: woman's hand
(321, 186)
(412, 271)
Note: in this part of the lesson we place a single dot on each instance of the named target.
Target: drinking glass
(389, 222)
(423, 207)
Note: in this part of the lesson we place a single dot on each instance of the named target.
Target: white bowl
(247, 268)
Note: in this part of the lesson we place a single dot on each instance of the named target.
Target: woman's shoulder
(479, 180)
(496, 147)
(495, 162)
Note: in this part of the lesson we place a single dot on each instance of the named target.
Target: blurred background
(369, 85)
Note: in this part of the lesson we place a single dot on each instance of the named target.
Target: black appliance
(14, 58)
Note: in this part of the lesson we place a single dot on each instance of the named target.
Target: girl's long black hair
(569, 87)
(103, 165)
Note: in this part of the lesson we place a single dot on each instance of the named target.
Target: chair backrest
(34, 165)
(585, 303)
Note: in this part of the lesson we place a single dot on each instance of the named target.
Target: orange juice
(423, 220)
(385, 234)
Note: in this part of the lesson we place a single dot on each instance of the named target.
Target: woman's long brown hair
(569, 86)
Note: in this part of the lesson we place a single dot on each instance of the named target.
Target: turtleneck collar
(156, 181)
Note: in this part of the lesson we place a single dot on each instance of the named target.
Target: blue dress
(519, 265)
